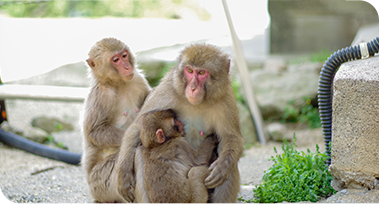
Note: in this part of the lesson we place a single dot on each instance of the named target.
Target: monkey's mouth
(194, 101)
(129, 77)
(178, 126)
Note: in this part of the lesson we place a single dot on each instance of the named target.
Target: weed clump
(295, 177)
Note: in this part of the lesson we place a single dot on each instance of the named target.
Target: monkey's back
(165, 174)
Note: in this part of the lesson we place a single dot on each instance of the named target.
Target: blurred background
(54, 33)
(45, 42)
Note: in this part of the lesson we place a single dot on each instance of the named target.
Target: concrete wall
(313, 25)
(355, 128)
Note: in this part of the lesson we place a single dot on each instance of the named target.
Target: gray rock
(277, 132)
(34, 134)
(247, 124)
(7, 127)
(275, 65)
(50, 125)
(65, 137)
(355, 130)
(366, 34)
(354, 196)
(274, 90)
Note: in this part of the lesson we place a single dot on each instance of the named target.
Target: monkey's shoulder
(101, 91)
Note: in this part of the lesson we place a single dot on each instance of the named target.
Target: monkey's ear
(91, 63)
(160, 136)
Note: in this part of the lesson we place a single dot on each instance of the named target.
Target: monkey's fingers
(131, 194)
(217, 176)
(220, 171)
(128, 194)
(127, 191)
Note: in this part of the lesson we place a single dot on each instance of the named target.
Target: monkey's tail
(39, 149)
(325, 89)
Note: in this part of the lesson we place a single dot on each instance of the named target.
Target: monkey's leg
(196, 177)
(140, 193)
(102, 181)
(227, 192)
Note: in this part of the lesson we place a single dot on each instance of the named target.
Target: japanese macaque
(117, 92)
(199, 91)
(167, 167)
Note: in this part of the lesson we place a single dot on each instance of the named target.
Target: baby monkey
(173, 172)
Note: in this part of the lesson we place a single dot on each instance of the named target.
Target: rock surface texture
(355, 130)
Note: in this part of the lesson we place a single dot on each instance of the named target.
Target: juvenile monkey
(117, 92)
(199, 91)
(173, 172)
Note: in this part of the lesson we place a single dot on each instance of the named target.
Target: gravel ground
(25, 177)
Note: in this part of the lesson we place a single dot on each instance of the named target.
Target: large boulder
(274, 90)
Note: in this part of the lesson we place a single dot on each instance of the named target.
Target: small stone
(277, 131)
(275, 65)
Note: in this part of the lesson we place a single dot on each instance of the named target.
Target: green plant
(294, 177)
(163, 70)
(236, 86)
(58, 126)
(315, 57)
(306, 114)
(310, 114)
(241, 199)
(50, 140)
(291, 113)
(96, 9)
(320, 56)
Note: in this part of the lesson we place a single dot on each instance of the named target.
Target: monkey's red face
(195, 89)
(178, 126)
(122, 63)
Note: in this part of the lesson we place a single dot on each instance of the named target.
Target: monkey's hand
(220, 172)
(126, 187)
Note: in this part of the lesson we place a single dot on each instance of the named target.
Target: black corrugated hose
(325, 89)
(39, 149)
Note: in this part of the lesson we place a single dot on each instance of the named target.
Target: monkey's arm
(205, 150)
(98, 126)
(104, 135)
(230, 149)
(125, 164)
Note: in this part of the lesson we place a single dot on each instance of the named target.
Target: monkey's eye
(124, 55)
(189, 71)
(201, 72)
(115, 59)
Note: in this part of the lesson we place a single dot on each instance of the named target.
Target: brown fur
(104, 120)
(173, 172)
(217, 114)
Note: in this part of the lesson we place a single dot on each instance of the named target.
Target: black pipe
(39, 149)
(325, 89)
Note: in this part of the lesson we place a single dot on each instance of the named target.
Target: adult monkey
(199, 91)
(118, 90)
